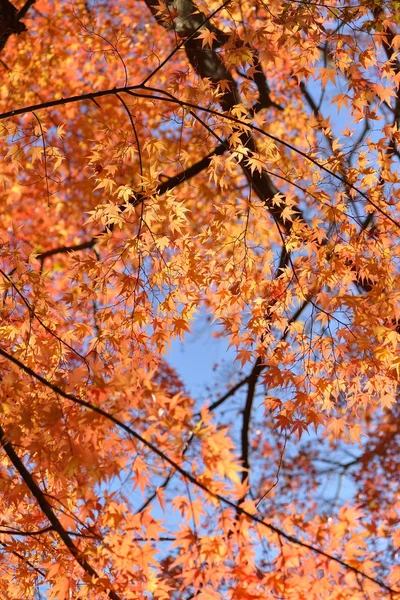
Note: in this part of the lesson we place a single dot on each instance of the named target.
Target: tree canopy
(173, 162)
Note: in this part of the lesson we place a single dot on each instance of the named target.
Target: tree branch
(251, 389)
(10, 21)
(23, 559)
(46, 507)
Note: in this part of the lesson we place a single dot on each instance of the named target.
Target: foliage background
(169, 163)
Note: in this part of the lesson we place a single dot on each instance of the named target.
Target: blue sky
(197, 357)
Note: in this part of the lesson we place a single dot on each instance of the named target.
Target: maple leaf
(207, 37)
(385, 93)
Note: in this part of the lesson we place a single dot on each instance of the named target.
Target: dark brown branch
(65, 249)
(18, 532)
(21, 13)
(208, 64)
(251, 390)
(9, 22)
(264, 93)
(23, 559)
(47, 509)
(166, 481)
(163, 187)
(65, 101)
(231, 392)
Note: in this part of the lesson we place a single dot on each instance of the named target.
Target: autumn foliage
(174, 164)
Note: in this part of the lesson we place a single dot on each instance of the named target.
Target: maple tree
(165, 162)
